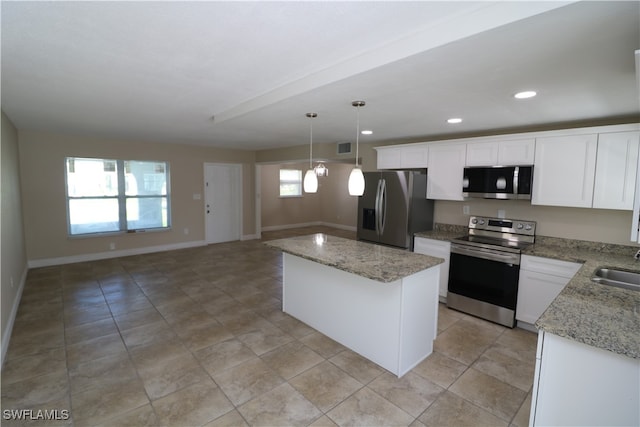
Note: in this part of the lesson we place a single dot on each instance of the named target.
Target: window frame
(297, 181)
(121, 198)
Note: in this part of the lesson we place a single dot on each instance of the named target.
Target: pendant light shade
(310, 183)
(356, 178)
(356, 182)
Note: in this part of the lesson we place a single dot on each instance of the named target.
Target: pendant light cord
(310, 142)
(357, 104)
(357, 132)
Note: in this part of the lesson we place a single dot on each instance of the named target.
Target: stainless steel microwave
(499, 182)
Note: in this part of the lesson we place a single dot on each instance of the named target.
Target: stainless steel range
(485, 265)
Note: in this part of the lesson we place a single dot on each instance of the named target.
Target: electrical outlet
(186, 230)
(465, 209)
(501, 213)
(112, 245)
(11, 281)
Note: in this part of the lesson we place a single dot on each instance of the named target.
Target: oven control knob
(528, 227)
(482, 222)
(520, 226)
(474, 221)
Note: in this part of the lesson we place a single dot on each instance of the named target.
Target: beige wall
(42, 174)
(300, 153)
(331, 204)
(14, 256)
(598, 225)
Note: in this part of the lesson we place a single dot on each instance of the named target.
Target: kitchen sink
(618, 278)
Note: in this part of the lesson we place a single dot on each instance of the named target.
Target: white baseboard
(6, 334)
(250, 237)
(46, 262)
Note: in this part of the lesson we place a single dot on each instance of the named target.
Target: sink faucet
(637, 255)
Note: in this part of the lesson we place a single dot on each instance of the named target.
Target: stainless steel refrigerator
(393, 207)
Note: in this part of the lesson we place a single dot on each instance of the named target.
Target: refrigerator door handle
(377, 206)
(383, 205)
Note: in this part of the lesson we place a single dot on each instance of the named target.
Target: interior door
(223, 191)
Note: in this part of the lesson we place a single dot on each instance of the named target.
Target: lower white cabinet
(541, 280)
(579, 385)
(439, 249)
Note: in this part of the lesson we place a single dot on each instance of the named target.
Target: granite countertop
(444, 232)
(601, 316)
(597, 315)
(375, 262)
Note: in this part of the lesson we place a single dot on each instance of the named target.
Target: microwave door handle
(515, 180)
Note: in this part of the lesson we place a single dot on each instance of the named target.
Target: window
(290, 182)
(105, 195)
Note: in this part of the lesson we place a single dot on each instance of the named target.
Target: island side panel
(359, 313)
(419, 326)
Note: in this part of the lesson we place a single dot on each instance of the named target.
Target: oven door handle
(486, 254)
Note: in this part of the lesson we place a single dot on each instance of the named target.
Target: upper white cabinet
(565, 170)
(482, 154)
(403, 157)
(616, 170)
(520, 152)
(388, 157)
(445, 170)
(502, 153)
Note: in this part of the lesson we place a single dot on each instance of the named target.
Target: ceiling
(243, 74)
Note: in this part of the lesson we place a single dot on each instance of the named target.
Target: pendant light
(321, 169)
(310, 183)
(356, 178)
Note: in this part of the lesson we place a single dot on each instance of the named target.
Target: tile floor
(197, 337)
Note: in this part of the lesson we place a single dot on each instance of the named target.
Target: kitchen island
(378, 301)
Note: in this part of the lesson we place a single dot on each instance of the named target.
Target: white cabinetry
(439, 249)
(502, 153)
(635, 217)
(541, 280)
(403, 157)
(616, 168)
(565, 170)
(445, 170)
(579, 385)
(482, 154)
(388, 157)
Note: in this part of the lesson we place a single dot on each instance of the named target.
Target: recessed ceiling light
(367, 132)
(454, 120)
(525, 94)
